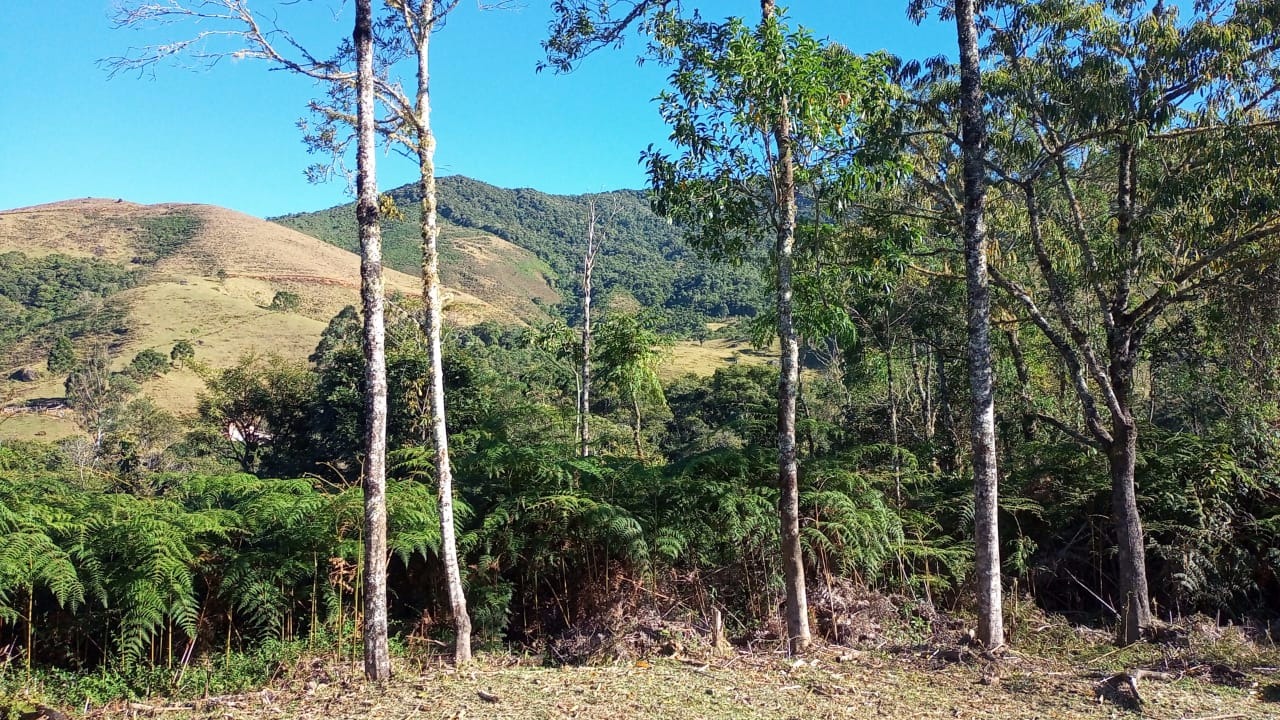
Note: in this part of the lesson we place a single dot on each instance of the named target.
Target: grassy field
(702, 358)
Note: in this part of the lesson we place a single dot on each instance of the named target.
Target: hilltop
(136, 277)
(521, 249)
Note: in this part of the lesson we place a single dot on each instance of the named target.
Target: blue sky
(226, 135)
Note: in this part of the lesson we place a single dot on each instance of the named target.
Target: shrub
(285, 301)
(148, 364)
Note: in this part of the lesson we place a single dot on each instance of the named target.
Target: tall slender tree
(973, 145)
(753, 109)
(377, 662)
(629, 355)
(413, 22)
(584, 390)
(784, 183)
(245, 33)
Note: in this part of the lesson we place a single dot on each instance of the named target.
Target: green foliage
(132, 558)
(57, 293)
(851, 531)
(163, 235)
(148, 364)
(641, 254)
(186, 560)
(285, 301)
(729, 83)
(219, 675)
(182, 353)
(261, 405)
(97, 395)
(62, 356)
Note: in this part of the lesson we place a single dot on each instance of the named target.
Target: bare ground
(831, 682)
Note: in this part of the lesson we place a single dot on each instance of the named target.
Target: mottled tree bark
(377, 663)
(981, 381)
(434, 315)
(1123, 338)
(797, 613)
(1135, 606)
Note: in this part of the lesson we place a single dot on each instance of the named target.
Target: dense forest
(1132, 211)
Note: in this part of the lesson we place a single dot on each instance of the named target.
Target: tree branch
(1069, 355)
(1069, 431)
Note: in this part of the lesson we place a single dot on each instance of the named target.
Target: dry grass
(702, 359)
(503, 275)
(79, 228)
(1055, 671)
(29, 426)
(829, 683)
(214, 291)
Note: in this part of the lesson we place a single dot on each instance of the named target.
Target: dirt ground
(827, 683)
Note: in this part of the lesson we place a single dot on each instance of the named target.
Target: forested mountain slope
(529, 244)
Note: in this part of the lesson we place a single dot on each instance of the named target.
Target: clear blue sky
(226, 135)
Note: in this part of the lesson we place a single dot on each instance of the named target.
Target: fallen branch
(1130, 679)
(487, 696)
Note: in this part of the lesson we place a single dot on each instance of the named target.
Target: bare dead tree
(584, 393)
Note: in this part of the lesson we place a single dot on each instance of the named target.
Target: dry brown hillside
(214, 289)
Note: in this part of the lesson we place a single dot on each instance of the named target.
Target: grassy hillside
(536, 239)
(136, 277)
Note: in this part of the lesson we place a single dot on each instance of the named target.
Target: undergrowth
(219, 674)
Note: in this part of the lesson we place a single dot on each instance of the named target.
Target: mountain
(521, 250)
(136, 277)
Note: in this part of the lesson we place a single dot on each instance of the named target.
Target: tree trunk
(1024, 383)
(798, 636)
(635, 425)
(947, 460)
(983, 435)
(1122, 453)
(434, 319)
(584, 391)
(892, 398)
(1135, 601)
(377, 662)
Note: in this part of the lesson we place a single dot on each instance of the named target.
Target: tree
(377, 660)
(261, 409)
(982, 429)
(629, 354)
(62, 356)
(182, 353)
(139, 441)
(147, 364)
(97, 396)
(1122, 133)
(237, 22)
(580, 27)
(757, 113)
(410, 24)
(286, 300)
